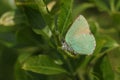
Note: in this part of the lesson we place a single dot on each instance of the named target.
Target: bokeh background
(102, 15)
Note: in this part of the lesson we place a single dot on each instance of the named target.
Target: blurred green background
(18, 41)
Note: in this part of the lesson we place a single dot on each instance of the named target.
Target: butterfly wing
(79, 37)
(84, 44)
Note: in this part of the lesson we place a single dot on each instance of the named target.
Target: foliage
(32, 31)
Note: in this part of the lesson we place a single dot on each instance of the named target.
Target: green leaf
(26, 37)
(29, 3)
(59, 77)
(99, 45)
(109, 45)
(64, 16)
(103, 69)
(43, 64)
(44, 12)
(105, 44)
(106, 68)
(112, 5)
(102, 5)
(21, 74)
(34, 18)
(6, 29)
(8, 58)
(25, 53)
(94, 26)
(7, 38)
(118, 5)
(31, 11)
(116, 18)
(81, 8)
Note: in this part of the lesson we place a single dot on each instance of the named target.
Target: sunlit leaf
(26, 75)
(64, 16)
(43, 64)
(7, 19)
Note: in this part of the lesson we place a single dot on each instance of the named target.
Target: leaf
(112, 6)
(36, 13)
(8, 57)
(7, 19)
(6, 29)
(64, 16)
(50, 5)
(103, 69)
(59, 77)
(44, 12)
(106, 69)
(34, 18)
(7, 38)
(21, 74)
(105, 44)
(25, 53)
(102, 5)
(116, 18)
(118, 5)
(81, 8)
(110, 44)
(12, 19)
(26, 37)
(43, 64)
(99, 44)
(94, 26)
(28, 3)
(31, 12)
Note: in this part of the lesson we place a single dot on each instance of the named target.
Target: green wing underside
(79, 38)
(79, 25)
(84, 44)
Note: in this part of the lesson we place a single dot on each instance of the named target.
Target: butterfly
(79, 39)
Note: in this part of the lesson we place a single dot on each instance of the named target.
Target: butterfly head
(67, 47)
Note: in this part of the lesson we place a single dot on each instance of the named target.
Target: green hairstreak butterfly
(79, 39)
